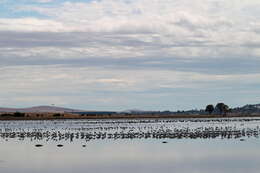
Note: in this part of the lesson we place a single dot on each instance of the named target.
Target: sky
(129, 54)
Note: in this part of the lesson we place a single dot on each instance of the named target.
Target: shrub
(6, 115)
(57, 115)
(18, 114)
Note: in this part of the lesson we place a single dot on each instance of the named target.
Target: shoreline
(70, 116)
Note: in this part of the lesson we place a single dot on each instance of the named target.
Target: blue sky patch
(10, 8)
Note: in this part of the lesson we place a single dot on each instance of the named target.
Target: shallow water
(116, 146)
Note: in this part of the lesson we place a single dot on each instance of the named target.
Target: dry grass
(52, 116)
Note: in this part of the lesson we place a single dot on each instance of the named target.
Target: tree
(222, 108)
(19, 114)
(209, 109)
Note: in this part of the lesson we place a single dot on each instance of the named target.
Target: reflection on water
(145, 145)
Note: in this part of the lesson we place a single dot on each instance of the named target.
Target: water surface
(144, 145)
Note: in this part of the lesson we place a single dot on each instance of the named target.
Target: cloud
(116, 28)
(117, 88)
(134, 23)
(108, 50)
(30, 24)
(44, 1)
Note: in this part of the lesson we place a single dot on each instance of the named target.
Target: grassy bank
(54, 116)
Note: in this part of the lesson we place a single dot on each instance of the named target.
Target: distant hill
(133, 111)
(255, 106)
(248, 109)
(138, 111)
(40, 109)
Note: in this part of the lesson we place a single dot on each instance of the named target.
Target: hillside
(247, 109)
(52, 109)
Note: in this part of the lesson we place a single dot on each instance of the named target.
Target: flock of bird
(223, 133)
(65, 130)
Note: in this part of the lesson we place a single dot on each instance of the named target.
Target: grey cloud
(63, 39)
(217, 65)
(85, 39)
(194, 27)
(36, 39)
